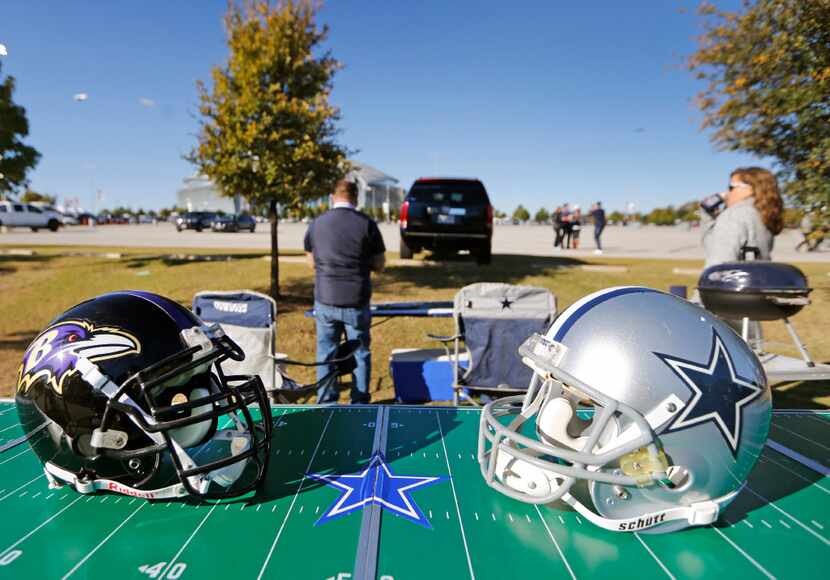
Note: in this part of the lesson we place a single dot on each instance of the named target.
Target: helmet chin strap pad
(192, 435)
(558, 415)
(524, 477)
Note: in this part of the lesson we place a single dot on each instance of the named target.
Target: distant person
(752, 217)
(576, 226)
(567, 230)
(344, 246)
(598, 215)
(557, 228)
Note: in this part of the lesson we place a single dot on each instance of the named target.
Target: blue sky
(544, 101)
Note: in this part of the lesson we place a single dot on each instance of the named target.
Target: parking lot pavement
(674, 242)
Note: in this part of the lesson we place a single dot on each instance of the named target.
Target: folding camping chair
(249, 318)
(491, 321)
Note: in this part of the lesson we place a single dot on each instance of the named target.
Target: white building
(198, 193)
(374, 187)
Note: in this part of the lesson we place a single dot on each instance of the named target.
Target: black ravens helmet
(125, 393)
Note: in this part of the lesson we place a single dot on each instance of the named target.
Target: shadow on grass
(183, 259)
(458, 271)
(802, 395)
(8, 261)
(18, 340)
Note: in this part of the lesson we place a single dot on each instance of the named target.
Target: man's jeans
(332, 322)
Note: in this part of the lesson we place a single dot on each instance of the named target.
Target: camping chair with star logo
(491, 321)
(250, 319)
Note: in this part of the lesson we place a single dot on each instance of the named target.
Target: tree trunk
(273, 217)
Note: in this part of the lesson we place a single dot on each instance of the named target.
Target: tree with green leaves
(268, 130)
(29, 196)
(16, 158)
(542, 216)
(767, 74)
(521, 214)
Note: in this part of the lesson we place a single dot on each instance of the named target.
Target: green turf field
(776, 528)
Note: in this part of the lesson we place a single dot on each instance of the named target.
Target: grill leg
(801, 348)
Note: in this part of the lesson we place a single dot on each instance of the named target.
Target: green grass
(34, 289)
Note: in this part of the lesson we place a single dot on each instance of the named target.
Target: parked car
(65, 218)
(195, 220)
(23, 215)
(444, 214)
(234, 223)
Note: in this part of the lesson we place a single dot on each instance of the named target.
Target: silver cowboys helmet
(681, 412)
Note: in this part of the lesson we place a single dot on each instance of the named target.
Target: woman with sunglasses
(752, 217)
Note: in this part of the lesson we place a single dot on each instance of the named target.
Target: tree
(521, 214)
(268, 131)
(498, 214)
(542, 216)
(29, 196)
(16, 158)
(616, 217)
(767, 70)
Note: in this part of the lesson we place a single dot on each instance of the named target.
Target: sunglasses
(731, 187)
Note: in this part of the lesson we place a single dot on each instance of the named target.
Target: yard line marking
(555, 543)
(749, 524)
(430, 514)
(785, 524)
(561, 521)
(12, 492)
(258, 506)
(492, 515)
(48, 496)
(798, 457)
(476, 515)
(7, 410)
(37, 494)
(25, 491)
(816, 524)
(102, 542)
(653, 555)
(766, 523)
(27, 536)
(763, 570)
(184, 546)
(823, 540)
(455, 497)
(801, 437)
(26, 437)
(294, 499)
(17, 455)
(527, 517)
(10, 427)
(798, 475)
(510, 517)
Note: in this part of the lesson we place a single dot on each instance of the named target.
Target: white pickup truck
(23, 215)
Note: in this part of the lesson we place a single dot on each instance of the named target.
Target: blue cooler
(422, 375)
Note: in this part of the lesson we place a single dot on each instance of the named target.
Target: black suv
(442, 214)
(234, 223)
(195, 220)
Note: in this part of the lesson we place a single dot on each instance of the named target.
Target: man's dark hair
(347, 187)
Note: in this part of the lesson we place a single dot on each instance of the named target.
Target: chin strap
(59, 477)
(697, 514)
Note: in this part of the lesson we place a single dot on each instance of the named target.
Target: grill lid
(754, 277)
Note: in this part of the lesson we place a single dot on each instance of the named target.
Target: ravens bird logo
(55, 351)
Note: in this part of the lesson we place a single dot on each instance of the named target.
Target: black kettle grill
(756, 291)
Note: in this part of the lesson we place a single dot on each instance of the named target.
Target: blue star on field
(718, 393)
(376, 485)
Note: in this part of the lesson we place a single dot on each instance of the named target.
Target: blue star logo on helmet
(719, 394)
(52, 355)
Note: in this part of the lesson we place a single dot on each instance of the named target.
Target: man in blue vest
(344, 246)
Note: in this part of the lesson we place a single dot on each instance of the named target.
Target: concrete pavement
(672, 242)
